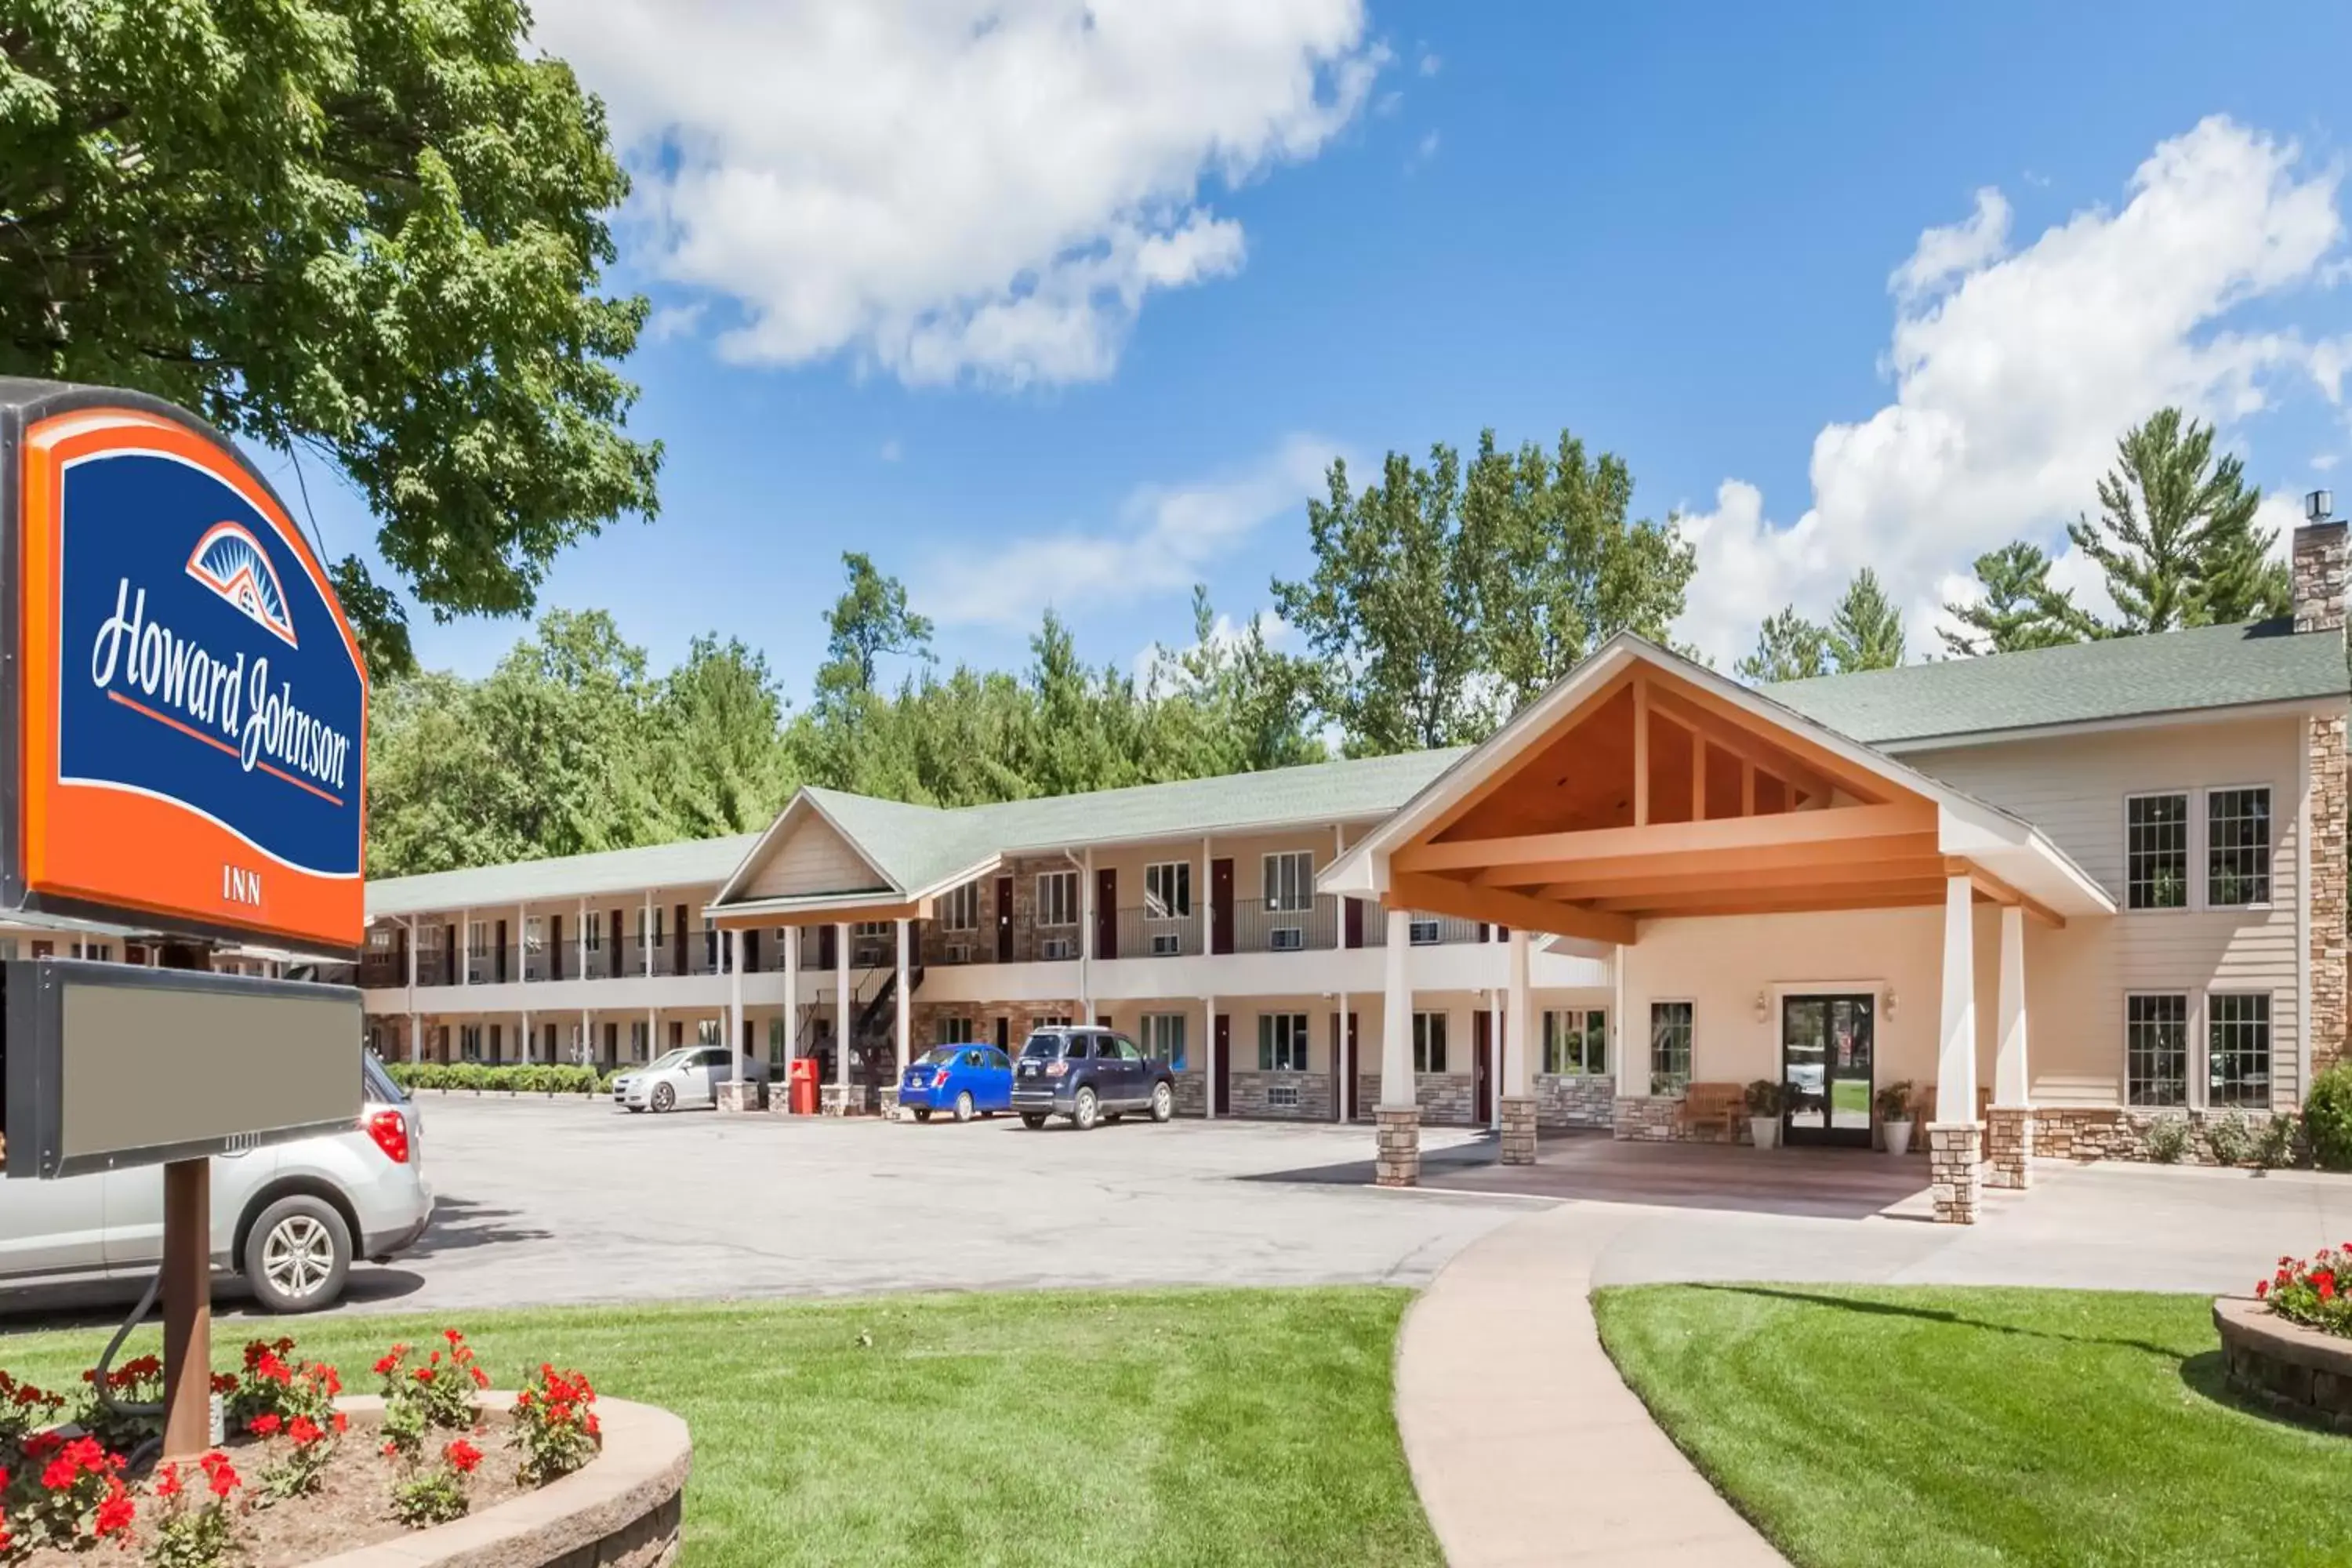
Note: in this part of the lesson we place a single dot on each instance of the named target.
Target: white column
(653, 1033)
(587, 1037)
(580, 942)
(1396, 1019)
(906, 1007)
(1208, 1059)
(526, 1038)
(792, 998)
(1519, 1023)
(1495, 1066)
(1086, 937)
(1339, 1074)
(465, 947)
(522, 947)
(416, 1023)
(1208, 906)
(645, 933)
(731, 943)
(1956, 1059)
(1622, 1034)
(2008, 1073)
(841, 1007)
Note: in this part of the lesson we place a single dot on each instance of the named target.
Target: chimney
(2320, 567)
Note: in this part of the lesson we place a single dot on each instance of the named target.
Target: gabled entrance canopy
(1645, 786)
(831, 856)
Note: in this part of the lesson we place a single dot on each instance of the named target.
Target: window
(2237, 847)
(1576, 1042)
(1429, 1042)
(534, 934)
(640, 1036)
(1281, 1042)
(593, 932)
(1290, 881)
(954, 1032)
(1163, 1038)
(2156, 851)
(1052, 1021)
(1422, 931)
(960, 910)
(477, 938)
(1057, 899)
(2156, 1049)
(1670, 1047)
(2238, 1050)
(1168, 890)
(707, 1032)
(1282, 1097)
(1055, 947)
(470, 1042)
(1117, 1047)
(1287, 939)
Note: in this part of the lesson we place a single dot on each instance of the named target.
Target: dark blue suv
(1088, 1074)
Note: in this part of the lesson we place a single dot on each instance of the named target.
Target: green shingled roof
(2211, 667)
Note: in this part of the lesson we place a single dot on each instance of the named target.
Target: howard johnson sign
(187, 706)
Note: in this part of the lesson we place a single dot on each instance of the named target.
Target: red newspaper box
(804, 1086)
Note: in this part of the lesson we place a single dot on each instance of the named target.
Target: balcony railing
(1285, 925)
(1152, 932)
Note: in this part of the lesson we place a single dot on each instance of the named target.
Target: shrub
(139, 1381)
(1764, 1098)
(555, 1420)
(2327, 1117)
(2167, 1140)
(517, 1077)
(73, 1492)
(1894, 1101)
(2233, 1140)
(2276, 1149)
(2312, 1293)
(440, 1391)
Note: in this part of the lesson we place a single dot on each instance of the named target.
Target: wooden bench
(1712, 1105)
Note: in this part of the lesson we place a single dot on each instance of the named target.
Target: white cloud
(892, 450)
(1225, 632)
(1166, 537)
(2015, 371)
(1423, 151)
(2325, 461)
(944, 189)
(1431, 64)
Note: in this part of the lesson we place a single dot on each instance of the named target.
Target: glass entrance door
(1825, 1067)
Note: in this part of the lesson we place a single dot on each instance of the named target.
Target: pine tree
(1787, 648)
(2015, 607)
(2176, 532)
(1866, 631)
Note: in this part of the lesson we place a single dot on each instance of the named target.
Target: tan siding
(811, 859)
(2073, 790)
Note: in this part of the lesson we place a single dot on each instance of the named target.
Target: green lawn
(1959, 1426)
(1238, 1426)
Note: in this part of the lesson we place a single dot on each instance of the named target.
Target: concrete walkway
(1525, 1445)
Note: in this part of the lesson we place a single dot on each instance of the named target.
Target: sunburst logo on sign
(229, 561)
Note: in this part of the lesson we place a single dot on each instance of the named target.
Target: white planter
(1764, 1131)
(1898, 1136)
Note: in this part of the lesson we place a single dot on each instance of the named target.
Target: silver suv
(289, 1219)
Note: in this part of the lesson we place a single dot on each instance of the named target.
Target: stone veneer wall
(1657, 1118)
(2321, 575)
(1444, 1098)
(2101, 1133)
(1583, 1100)
(1024, 1015)
(1249, 1095)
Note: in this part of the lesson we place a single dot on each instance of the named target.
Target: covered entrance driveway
(1645, 803)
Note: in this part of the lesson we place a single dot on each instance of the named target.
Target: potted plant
(1895, 1116)
(1764, 1102)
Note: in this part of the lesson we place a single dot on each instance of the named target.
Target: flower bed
(309, 1475)
(2290, 1348)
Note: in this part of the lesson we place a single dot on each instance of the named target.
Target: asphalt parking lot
(563, 1201)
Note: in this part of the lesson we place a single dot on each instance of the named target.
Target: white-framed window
(710, 1032)
(1167, 890)
(1162, 1038)
(1052, 1021)
(2156, 850)
(1057, 897)
(869, 929)
(960, 910)
(1290, 881)
(592, 931)
(2238, 1050)
(534, 933)
(1422, 931)
(470, 1042)
(2156, 1048)
(1671, 1028)
(1281, 1042)
(477, 938)
(1429, 1042)
(954, 1032)
(1576, 1042)
(379, 939)
(2237, 847)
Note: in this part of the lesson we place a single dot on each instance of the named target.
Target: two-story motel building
(2062, 891)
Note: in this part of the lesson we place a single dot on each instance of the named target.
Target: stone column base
(1397, 1162)
(739, 1096)
(1519, 1129)
(1952, 1170)
(837, 1100)
(2010, 1138)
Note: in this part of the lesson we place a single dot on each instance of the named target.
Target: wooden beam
(1698, 777)
(2001, 892)
(1496, 778)
(1827, 903)
(1747, 787)
(1674, 838)
(1769, 878)
(1801, 748)
(1859, 895)
(1641, 749)
(1744, 744)
(1538, 874)
(1445, 896)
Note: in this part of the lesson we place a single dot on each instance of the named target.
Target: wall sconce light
(1763, 1008)
(1890, 1004)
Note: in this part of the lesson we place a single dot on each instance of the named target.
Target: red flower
(462, 1457)
(114, 1514)
(223, 1382)
(86, 1453)
(60, 1474)
(390, 1449)
(304, 1432)
(453, 1337)
(41, 1445)
(2262, 1289)
(264, 1425)
(481, 1378)
(342, 1423)
(424, 1375)
(219, 1474)
(167, 1482)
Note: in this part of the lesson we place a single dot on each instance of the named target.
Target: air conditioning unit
(1167, 943)
(956, 952)
(1287, 939)
(1060, 947)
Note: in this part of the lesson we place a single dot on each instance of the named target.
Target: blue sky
(1080, 351)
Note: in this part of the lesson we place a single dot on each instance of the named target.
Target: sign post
(183, 744)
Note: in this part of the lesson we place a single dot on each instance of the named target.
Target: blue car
(964, 1080)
